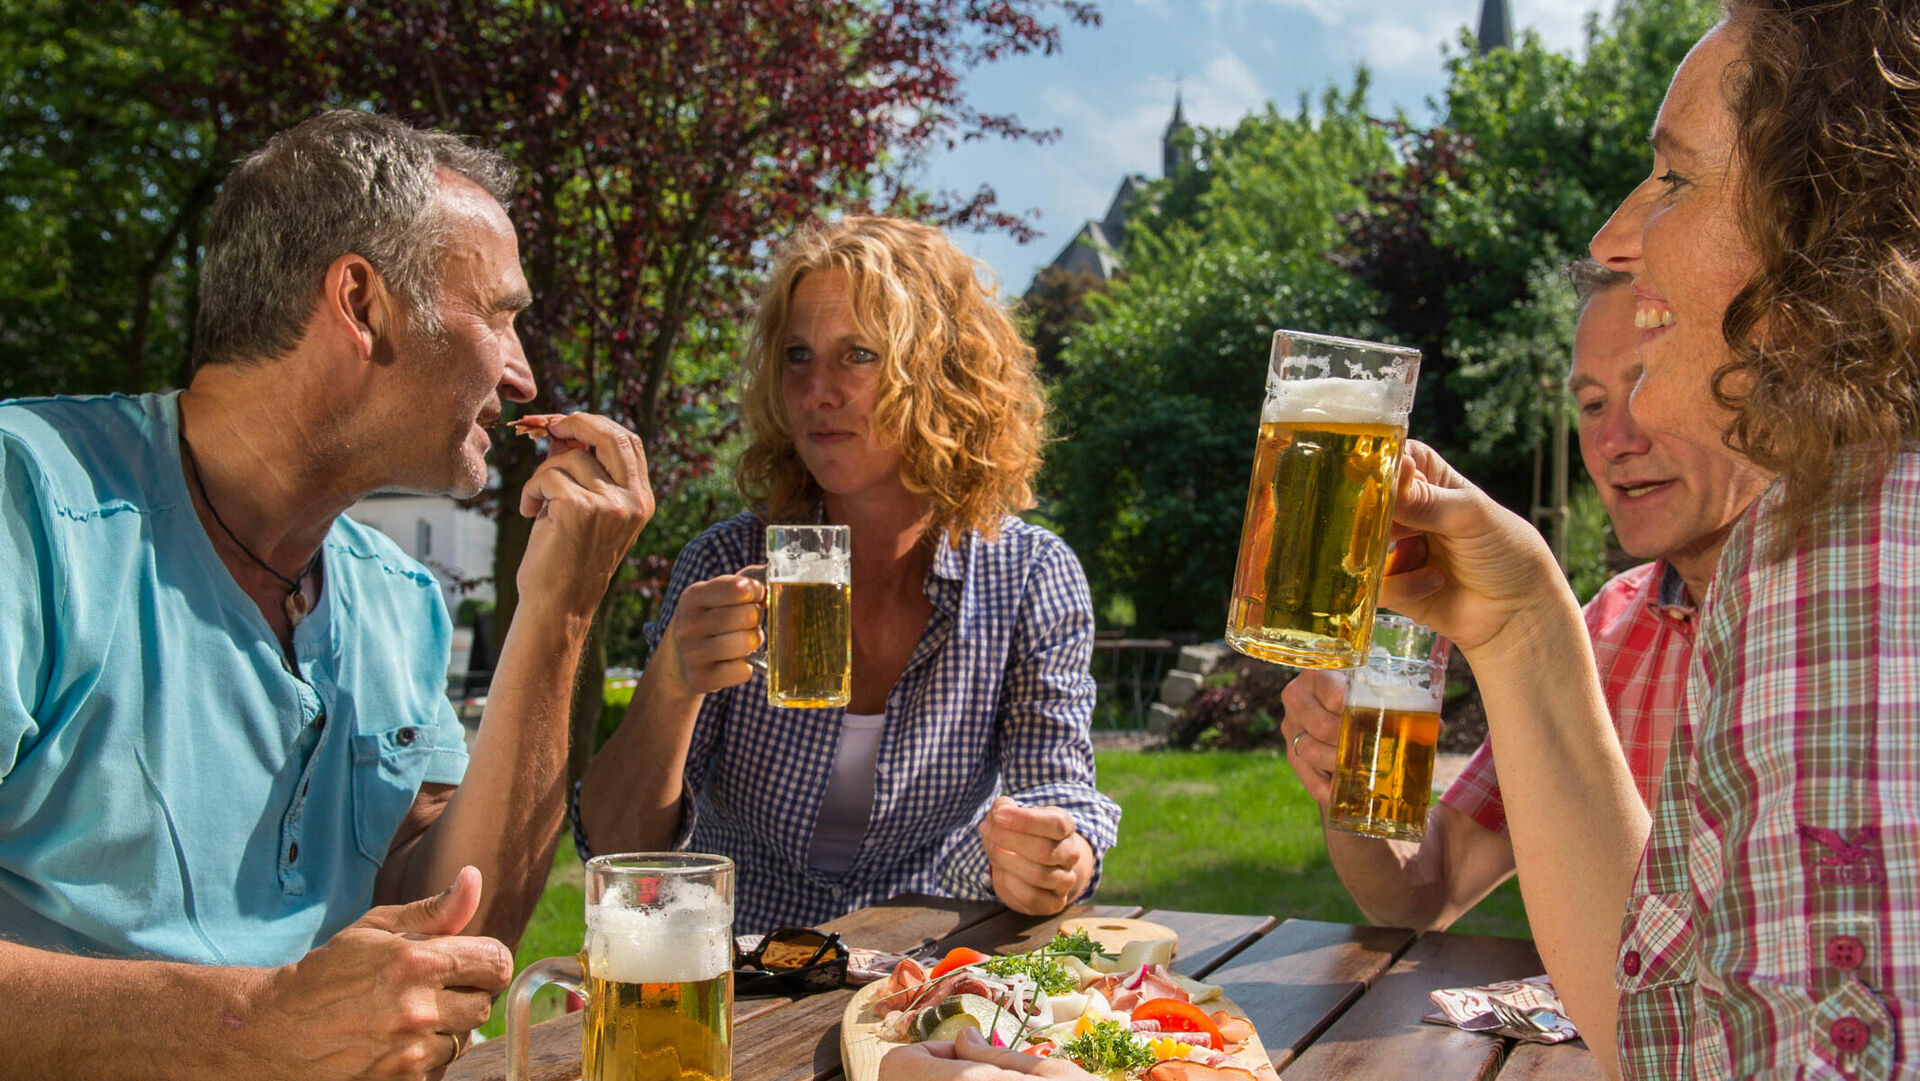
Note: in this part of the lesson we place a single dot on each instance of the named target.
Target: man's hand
(1314, 700)
(589, 500)
(971, 1058)
(394, 995)
(715, 626)
(1039, 861)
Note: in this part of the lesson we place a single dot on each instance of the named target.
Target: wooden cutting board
(861, 1047)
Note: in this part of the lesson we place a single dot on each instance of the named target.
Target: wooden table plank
(1568, 1061)
(1298, 979)
(900, 925)
(784, 1046)
(1383, 1036)
(1207, 941)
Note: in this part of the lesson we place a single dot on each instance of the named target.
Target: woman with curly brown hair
(885, 390)
(1770, 925)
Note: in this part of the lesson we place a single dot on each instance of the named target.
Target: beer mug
(1383, 772)
(1313, 542)
(656, 971)
(808, 652)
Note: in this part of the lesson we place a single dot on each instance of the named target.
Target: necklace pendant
(295, 606)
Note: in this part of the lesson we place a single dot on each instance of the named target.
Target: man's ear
(356, 304)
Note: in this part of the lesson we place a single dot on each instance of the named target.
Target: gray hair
(1590, 279)
(343, 182)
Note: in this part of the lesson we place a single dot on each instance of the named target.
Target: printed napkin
(1535, 1009)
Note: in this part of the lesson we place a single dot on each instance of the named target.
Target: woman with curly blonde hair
(885, 390)
(1761, 921)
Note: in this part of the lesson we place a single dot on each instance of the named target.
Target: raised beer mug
(1383, 770)
(656, 971)
(1313, 543)
(807, 654)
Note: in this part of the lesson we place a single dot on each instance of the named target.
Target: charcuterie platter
(1100, 994)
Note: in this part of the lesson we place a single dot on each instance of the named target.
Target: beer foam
(1336, 401)
(684, 940)
(808, 567)
(1411, 690)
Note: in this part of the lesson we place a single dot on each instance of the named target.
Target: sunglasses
(791, 959)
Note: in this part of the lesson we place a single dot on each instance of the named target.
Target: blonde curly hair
(958, 392)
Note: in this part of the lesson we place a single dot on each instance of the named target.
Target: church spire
(1496, 26)
(1176, 146)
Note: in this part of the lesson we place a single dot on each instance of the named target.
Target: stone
(1178, 687)
(1162, 718)
(1202, 658)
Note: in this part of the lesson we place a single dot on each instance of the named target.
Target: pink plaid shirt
(1642, 630)
(1774, 929)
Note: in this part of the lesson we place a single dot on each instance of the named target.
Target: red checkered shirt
(1774, 929)
(1642, 629)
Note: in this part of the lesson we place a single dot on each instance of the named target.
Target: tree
(1464, 241)
(665, 145)
(1160, 404)
(121, 120)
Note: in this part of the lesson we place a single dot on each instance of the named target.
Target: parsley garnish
(1107, 1046)
(1078, 944)
(1047, 975)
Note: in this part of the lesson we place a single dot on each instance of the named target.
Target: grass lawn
(1200, 831)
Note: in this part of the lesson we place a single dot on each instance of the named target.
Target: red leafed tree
(666, 145)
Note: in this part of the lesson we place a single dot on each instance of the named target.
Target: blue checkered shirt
(997, 698)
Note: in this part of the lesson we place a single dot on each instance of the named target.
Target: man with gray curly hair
(232, 790)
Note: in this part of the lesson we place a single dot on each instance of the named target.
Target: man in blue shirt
(240, 832)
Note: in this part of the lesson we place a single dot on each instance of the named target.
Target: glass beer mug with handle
(1383, 770)
(1313, 543)
(656, 971)
(808, 634)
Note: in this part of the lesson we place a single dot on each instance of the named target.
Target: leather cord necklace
(295, 604)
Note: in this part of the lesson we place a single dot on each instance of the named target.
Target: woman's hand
(714, 628)
(1039, 862)
(971, 1058)
(1464, 565)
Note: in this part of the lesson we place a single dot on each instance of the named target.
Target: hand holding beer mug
(1314, 539)
(1383, 771)
(656, 971)
(808, 657)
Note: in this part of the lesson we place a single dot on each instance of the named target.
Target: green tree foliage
(1161, 396)
(1450, 239)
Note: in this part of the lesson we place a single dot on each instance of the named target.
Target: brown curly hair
(958, 395)
(1825, 383)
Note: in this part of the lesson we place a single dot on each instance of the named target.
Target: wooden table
(1330, 1000)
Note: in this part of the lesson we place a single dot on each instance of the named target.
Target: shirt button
(1845, 953)
(1630, 964)
(1850, 1034)
(405, 737)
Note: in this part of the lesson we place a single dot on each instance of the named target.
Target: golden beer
(1383, 776)
(809, 643)
(1313, 542)
(658, 1031)
(656, 971)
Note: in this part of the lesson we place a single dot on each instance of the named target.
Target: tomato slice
(1173, 1015)
(959, 957)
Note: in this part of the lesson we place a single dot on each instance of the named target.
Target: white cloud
(1386, 32)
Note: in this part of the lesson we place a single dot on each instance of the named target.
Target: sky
(1110, 90)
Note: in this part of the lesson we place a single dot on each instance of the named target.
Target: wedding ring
(1293, 745)
(456, 1046)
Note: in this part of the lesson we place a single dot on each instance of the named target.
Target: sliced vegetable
(1173, 1015)
(952, 1027)
(963, 1012)
(958, 957)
